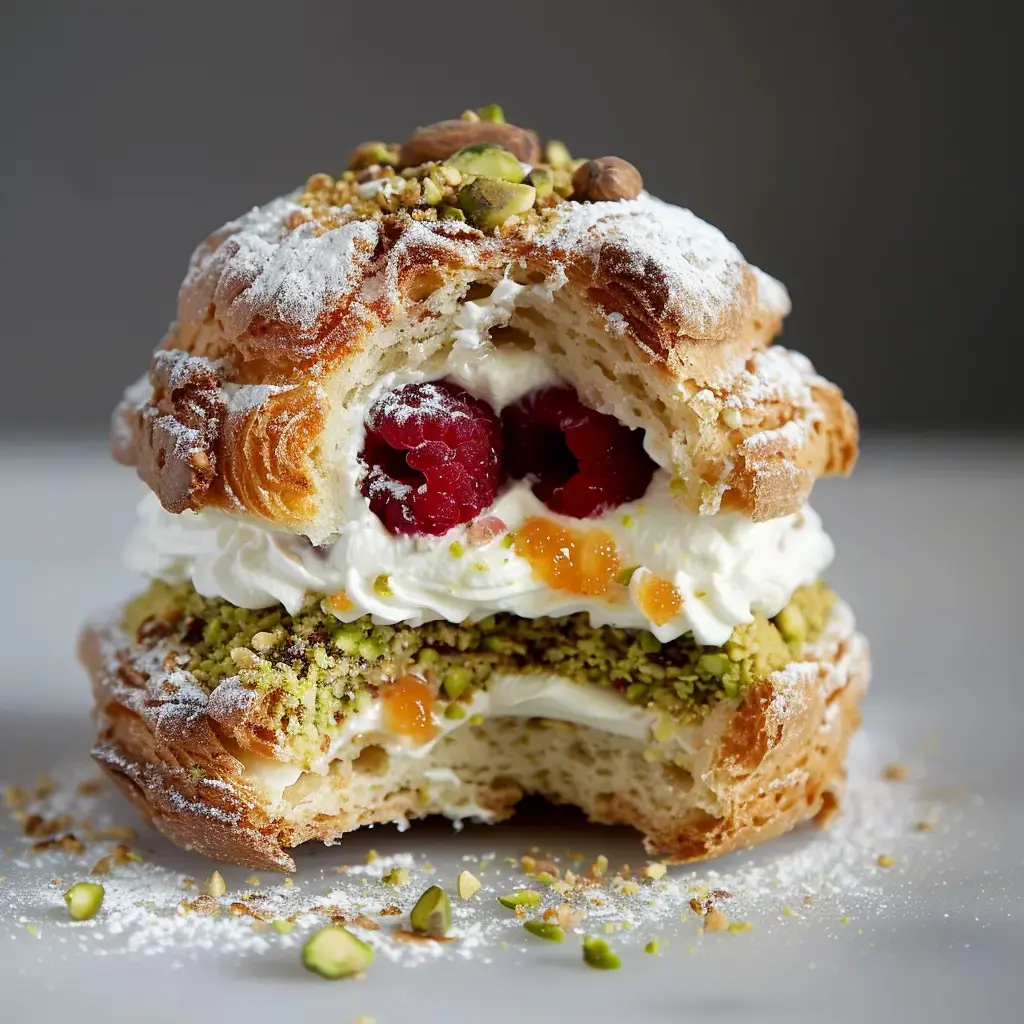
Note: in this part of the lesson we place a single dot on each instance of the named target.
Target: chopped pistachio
(597, 953)
(334, 952)
(467, 884)
(489, 202)
(455, 681)
(432, 914)
(656, 870)
(528, 864)
(599, 867)
(885, 861)
(369, 153)
(454, 712)
(432, 195)
(545, 877)
(652, 947)
(542, 180)
(522, 898)
(488, 160)
(282, 926)
(557, 154)
(476, 719)
(84, 900)
(491, 112)
(739, 927)
(396, 876)
(451, 213)
(215, 886)
(792, 624)
(545, 930)
(382, 585)
(455, 549)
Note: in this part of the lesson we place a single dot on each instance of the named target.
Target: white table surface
(930, 557)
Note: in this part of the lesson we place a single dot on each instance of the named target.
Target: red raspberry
(433, 458)
(582, 462)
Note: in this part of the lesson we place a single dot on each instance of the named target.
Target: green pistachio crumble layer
(310, 670)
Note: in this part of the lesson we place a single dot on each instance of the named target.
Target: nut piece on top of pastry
(475, 473)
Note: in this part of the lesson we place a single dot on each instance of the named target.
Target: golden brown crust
(763, 765)
(276, 307)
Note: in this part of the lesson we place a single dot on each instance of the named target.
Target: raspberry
(582, 462)
(433, 458)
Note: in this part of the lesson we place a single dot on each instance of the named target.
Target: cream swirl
(725, 567)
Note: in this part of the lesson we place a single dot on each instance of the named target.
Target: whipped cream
(725, 567)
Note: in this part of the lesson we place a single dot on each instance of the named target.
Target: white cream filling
(725, 567)
(512, 695)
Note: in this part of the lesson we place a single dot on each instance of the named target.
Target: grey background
(858, 151)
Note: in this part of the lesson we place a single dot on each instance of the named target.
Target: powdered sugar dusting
(812, 879)
(276, 264)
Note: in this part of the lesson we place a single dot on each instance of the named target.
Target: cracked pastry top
(472, 239)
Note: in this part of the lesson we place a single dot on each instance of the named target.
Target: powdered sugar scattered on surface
(823, 879)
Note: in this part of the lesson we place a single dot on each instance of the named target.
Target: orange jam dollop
(658, 599)
(408, 708)
(339, 602)
(578, 561)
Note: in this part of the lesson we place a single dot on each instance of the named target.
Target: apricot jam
(408, 708)
(577, 561)
(658, 599)
(339, 602)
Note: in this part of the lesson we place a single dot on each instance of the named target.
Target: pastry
(474, 472)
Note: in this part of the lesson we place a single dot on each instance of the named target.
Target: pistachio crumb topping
(425, 178)
(84, 900)
(319, 670)
(652, 947)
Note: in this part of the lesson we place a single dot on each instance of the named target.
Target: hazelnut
(606, 179)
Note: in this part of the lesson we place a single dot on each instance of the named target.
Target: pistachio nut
(597, 953)
(438, 141)
(491, 112)
(467, 884)
(542, 180)
(432, 914)
(545, 930)
(486, 159)
(522, 898)
(451, 213)
(84, 900)
(489, 202)
(557, 154)
(334, 952)
(366, 154)
(607, 179)
(432, 195)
